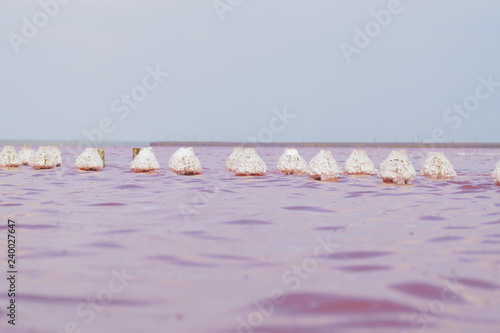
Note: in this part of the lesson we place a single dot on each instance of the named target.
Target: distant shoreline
(331, 144)
(492, 145)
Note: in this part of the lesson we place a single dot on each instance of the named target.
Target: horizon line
(258, 144)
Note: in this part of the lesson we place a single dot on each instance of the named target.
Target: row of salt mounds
(247, 163)
(185, 162)
(397, 168)
(496, 174)
(323, 166)
(9, 157)
(291, 163)
(46, 157)
(437, 166)
(89, 160)
(25, 155)
(359, 163)
(145, 161)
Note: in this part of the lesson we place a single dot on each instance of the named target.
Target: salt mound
(54, 152)
(57, 154)
(145, 161)
(437, 166)
(291, 163)
(397, 168)
(89, 160)
(44, 158)
(249, 163)
(25, 155)
(323, 166)
(9, 157)
(231, 160)
(359, 163)
(184, 162)
(496, 174)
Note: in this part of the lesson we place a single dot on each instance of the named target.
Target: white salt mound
(9, 157)
(89, 160)
(291, 163)
(57, 154)
(249, 163)
(44, 158)
(359, 163)
(496, 174)
(53, 151)
(437, 166)
(25, 155)
(231, 160)
(145, 161)
(397, 168)
(184, 162)
(323, 166)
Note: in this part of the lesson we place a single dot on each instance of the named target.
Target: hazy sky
(234, 64)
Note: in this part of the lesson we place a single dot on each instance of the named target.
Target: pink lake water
(219, 253)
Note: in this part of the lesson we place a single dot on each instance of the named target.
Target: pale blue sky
(227, 76)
